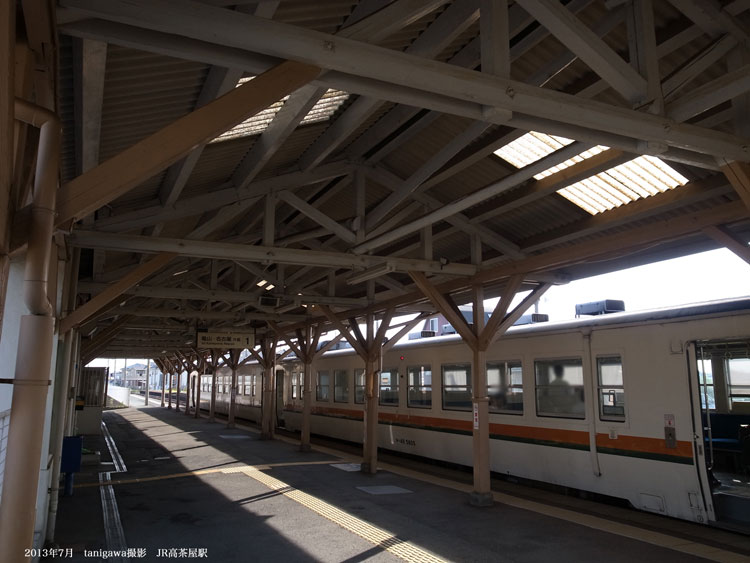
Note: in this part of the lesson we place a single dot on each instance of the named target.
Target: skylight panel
(255, 125)
(641, 177)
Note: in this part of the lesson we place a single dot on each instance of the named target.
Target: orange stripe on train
(562, 436)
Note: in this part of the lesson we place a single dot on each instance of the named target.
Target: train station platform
(169, 486)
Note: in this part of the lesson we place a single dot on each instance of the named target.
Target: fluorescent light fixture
(261, 283)
(270, 286)
(641, 177)
(371, 273)
(180, 272)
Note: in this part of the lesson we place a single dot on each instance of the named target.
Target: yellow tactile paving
(386, 540)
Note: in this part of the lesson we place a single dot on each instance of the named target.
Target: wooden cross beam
(727, 238)
(338, 325)
(445, 304)
(498, 315)
(106, 297)
(115, 177)
(738, 174)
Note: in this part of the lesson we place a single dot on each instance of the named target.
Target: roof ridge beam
(263, 254)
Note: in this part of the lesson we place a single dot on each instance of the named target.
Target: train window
(706, 383)
(457, 387)
(340, 386)
(295, 382)
(323, 385)
(253, 379)
(611, 389)
(420, 386)
(359, 386)
(301, 385)
(738, 378)
(389, 387)
(505, 387)
(248, 385)
(559, 388)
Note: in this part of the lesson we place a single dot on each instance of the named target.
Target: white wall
(119, 394)
(14, 309)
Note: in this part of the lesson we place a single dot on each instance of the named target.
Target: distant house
(135, 376)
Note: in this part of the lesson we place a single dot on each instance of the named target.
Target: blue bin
(71, 454)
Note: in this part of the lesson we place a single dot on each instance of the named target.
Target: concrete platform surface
(175, 487)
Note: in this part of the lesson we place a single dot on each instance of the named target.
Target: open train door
(702, 457)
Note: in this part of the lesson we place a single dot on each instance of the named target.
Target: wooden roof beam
(447, 307)
(728, 239)
(118, 175)
(738, 174)
(449, 25)
(106, 297)
(262, 254)
(592, 50)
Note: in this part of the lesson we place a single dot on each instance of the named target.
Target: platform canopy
(228, 163)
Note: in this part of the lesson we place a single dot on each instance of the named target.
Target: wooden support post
(269, 360)
(163, 383)
(478, 337)
(148, 377)
(190, 381)
(310, 344)
(214, 367)
(234, 357)
(481, 495)
(306, 407)
(372, 393)
(171, 381)
(201, 370)
(177, 400)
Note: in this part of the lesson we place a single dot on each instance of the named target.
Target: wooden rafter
(727, 238)
(121, 173)
(446, 306)
(107, 296)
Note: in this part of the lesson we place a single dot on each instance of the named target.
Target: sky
(717, 274)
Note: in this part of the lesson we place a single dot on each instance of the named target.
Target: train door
(702, 454)
(280, 398)
(722, 438)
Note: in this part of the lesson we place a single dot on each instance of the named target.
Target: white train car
(610, 405)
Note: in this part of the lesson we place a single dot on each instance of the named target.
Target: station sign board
(225, 340)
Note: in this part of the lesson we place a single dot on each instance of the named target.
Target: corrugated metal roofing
(641, 177)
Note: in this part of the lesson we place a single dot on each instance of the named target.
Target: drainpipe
(59, 409)
(34, 356)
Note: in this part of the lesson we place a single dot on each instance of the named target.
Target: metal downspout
(34, 356)
(59, 409)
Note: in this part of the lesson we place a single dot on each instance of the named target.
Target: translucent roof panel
(641, 177)
(322, 110)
